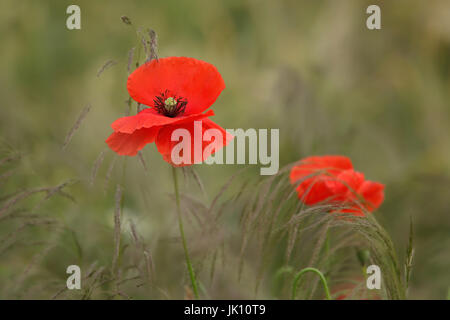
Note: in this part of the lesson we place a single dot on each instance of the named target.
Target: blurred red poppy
(354, 289)
(332, 179)
(177, 91)
(313, 174)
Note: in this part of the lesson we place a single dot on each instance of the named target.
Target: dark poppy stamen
(169, 104)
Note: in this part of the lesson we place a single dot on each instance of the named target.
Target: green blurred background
(310, 68)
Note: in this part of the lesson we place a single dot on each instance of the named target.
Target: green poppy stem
(301, 273)
(183, 238)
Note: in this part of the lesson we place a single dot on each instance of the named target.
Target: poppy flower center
(169, 104)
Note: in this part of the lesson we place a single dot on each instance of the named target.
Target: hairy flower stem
(183, 238)
(303, 271)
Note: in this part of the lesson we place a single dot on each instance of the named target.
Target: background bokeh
(310, 68)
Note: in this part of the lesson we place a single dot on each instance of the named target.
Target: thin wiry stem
(183, 238)
(302, 272)
(117, 230)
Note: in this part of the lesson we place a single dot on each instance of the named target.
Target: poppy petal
(129, 144)
(346, 184)
(331, 164)
(149, 118)
(373, 194)
(314, 190)
(165, 144)
(335, 163)
(197, 81)
(332, 178)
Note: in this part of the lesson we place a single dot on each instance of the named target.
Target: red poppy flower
(177, 90)
(332, 179)
(313, 174)
(354, 289)
(354, 191)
